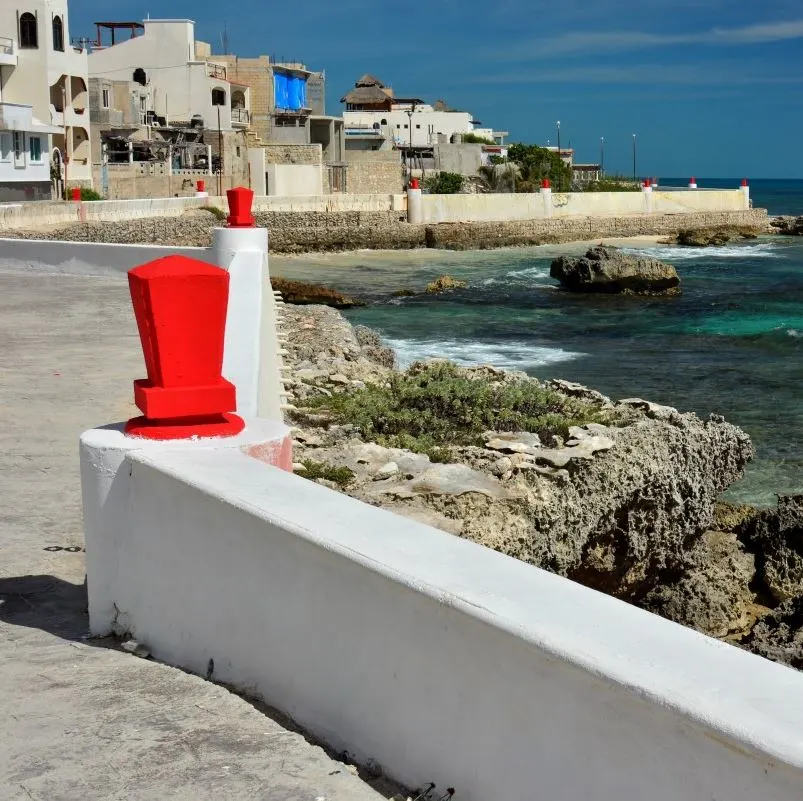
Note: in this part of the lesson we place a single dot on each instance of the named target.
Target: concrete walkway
(78, 720)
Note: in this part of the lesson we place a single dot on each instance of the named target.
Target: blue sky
(710, 87)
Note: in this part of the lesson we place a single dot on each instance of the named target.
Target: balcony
(240, 116)
(215, 70)
(56, 116)
(8, 52)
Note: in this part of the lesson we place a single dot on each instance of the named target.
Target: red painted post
(545, 184)
(201, 186)
(744, 181)
(75, 194)
(180, 305)
(240, 202)
(414, 183)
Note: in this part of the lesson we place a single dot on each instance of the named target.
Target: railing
(240, 115)
(216, 70)
(6, 46)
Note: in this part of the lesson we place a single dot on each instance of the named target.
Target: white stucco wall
(287, 180)
(523, 206)
(442, 660)
(427, 124)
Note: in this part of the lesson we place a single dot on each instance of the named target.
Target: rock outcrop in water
(790, 226)
(609, 270)
(301, 293)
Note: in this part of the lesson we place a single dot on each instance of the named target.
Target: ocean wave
(762, 250)
(527, 273)
(513, 355)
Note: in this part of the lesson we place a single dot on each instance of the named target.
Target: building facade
(376, 119)
(44, 119)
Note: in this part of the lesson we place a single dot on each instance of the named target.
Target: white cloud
(595, 42)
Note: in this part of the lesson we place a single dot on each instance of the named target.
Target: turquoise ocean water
(731, 344)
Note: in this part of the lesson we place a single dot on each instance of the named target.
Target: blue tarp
(290, 91)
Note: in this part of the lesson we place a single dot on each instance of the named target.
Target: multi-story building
(376, 119)
(44, 115)
(181, 84)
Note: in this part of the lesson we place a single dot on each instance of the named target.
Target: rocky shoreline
(301, 232)
(621, 496)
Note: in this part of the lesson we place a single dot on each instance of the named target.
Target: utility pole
(601, 156)
(634, 158)
(220, 156)
(559, 170)
(66, 155)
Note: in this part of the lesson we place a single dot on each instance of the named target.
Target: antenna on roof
(224, 40)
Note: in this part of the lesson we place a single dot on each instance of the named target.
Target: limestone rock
(703, 237)
(608, 270)
(386, 471)
(713, 595)
(779, 635)
(302, 293)
(790, 226)
(444, 284)
(449, 479)
(574, 390)
(777, 536)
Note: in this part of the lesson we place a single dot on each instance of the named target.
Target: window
(105, 98)
(58, 34)
(29, 31)
(143, 102)
(405, 126)
(19, 149)
(140, 77)
(238, 152)
(5, 147)
(418, 127)
(397, 125)
(218, 97)
(384, 122)
(35, 149)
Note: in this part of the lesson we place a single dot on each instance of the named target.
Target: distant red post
(180, 305)
(414, 183)
(545, 184)
(240, 202)
(75, 193)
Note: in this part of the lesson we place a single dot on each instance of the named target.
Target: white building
(375, 119)
(180, 82)
(43, 100)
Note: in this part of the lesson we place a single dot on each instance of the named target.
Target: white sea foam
(519, 275)
(514, 355)
(762, 250)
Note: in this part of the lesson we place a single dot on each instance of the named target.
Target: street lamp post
(558, 124)
(601, 156)
(634, 158)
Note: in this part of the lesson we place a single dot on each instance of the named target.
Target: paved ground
(79, 720)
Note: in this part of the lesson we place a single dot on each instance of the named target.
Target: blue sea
(732, 343)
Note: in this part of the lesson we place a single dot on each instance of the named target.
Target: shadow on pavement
(47, 603)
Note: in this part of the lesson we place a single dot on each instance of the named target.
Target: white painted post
(209, 159)
(415, 205)
(693, 183)
(546, 196)
(646, 190)
(745, 190)
(251, 359)
(130, 152)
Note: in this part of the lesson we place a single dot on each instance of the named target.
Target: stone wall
(133, 184)
(293, 154)
(300, 231)
(373, 172)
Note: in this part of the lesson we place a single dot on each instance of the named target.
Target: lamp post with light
(559, 182)
(634, 158)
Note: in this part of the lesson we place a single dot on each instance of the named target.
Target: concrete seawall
(301, 231)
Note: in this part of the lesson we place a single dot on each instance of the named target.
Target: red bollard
(201, 186)
(180, 305)
(75, 194)
(240, 202)
(414, 183)
(545, 184)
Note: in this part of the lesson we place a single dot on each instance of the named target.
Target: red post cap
(75, 193)
(744, 181)
(201, 187)
(692, 180)
(545, 184)
(414, 183)
(180, 305)
(240, 202)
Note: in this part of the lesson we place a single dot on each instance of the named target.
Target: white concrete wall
(86, 257)
(524, 206)
(442, 660)
(427, 124)
(287, 180)
(20, 167)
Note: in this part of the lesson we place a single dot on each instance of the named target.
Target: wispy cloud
(591, 42)
(686, 74)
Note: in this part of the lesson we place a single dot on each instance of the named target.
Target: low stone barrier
(435, 657)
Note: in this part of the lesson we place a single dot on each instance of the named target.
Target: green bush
(444, 183)
(435, 405)
(88, 194)
(473, 139)
(612, 183)
(536, 163)
(342, 476)
(215, 211)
